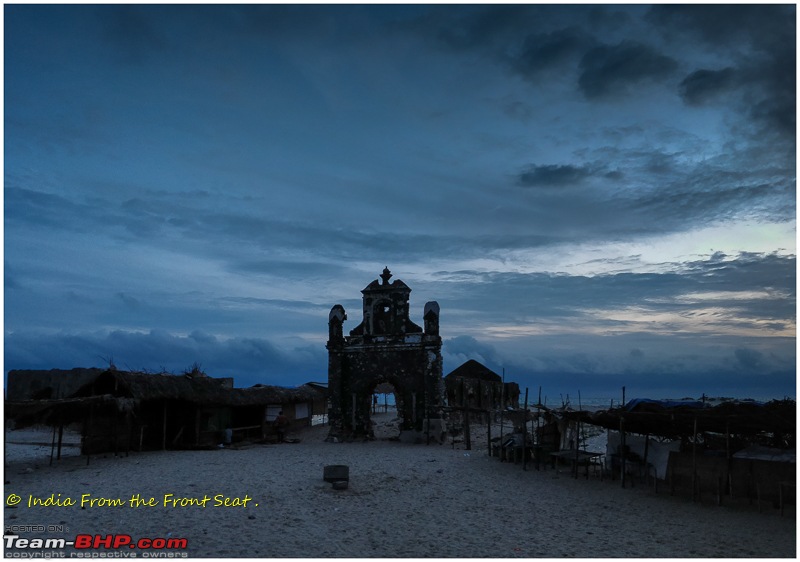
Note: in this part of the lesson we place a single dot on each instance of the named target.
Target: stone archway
(385, 347)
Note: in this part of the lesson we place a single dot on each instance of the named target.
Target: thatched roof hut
(474, 370)
(475, 386)
(156, 410)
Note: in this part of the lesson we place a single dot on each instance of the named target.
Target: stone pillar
(335, 367)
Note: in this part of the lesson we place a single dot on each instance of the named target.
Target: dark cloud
(609, 17)
(128, 300)
(248, 360)
(553, 175)
(614, 69)
(704, 85)
(761, 286)
(730, 25)
(29, 206)
(760, 40)
(132, 31)
(484, 28)
(542, 51)
(603, 367)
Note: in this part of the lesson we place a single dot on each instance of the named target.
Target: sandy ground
(403, 500)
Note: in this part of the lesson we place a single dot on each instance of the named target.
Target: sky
(597, 196)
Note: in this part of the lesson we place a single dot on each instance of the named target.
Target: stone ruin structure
(386, 347)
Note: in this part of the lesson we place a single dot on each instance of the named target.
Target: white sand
(403, 501)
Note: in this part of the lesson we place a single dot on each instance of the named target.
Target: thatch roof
(197, 389)
(61, 410)
(675, 421)
(474, 370)
(122, 390)
(37, 384)
(144, 386)
(262, 394)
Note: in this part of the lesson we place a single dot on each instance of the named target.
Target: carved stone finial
(386, 275)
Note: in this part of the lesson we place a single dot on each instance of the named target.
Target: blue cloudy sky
(596, 195)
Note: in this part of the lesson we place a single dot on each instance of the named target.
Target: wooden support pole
(53, 445)
(578, 440)
(538, 447)
(164, 428)
(60, 439)
(622, 454)
(502, 405)
(728, 458)
(115, 429)
(694, 461)
(467, 436)
(525, 434)
(87, 428)
(127, 433)
(489, 430)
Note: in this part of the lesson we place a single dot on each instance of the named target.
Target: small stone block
(334, 472)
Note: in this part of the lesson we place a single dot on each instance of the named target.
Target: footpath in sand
(403, 500)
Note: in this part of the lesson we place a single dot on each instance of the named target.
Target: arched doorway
(385, 416)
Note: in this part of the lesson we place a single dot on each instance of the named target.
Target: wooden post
(694, 461)
(489, 430)
(502, 406)
(87, 427)
(164, 428)
(465, 418)
(115, 429)
(622, 454)
(53, 445)
(728, 458)
(127, 433)
(414, 409)
(60, 439)
(538, 447)
(644, 461)
(525, 434)
(578, 439)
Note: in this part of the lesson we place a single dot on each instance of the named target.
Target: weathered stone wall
(386, 347)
